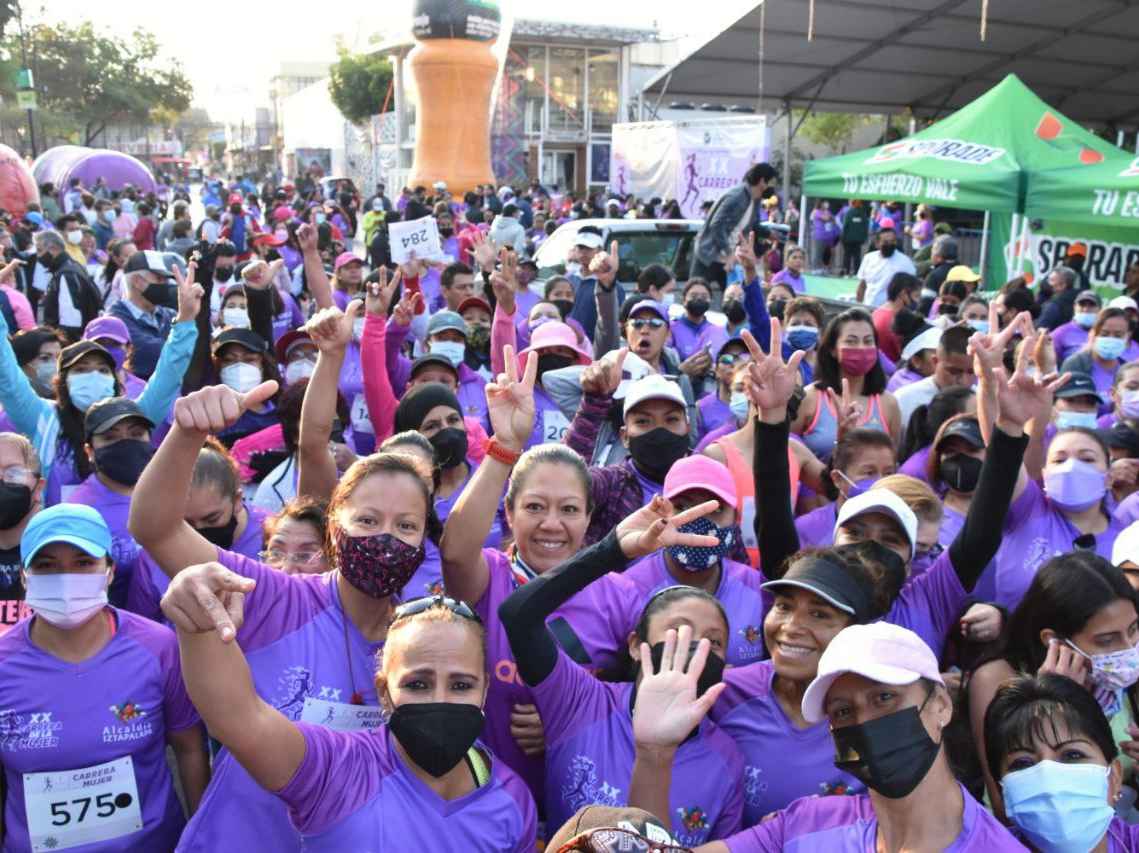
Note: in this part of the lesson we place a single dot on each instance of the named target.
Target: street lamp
(25, 85)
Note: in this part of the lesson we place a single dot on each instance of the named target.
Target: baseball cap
(444, 320)
(885, 502)
(554, 333)
(71, 354)
(289, 340)
(888, 654)
(619, 819)
(75, 524)
(106, 413)
(929, 339)
(588, 239)
(965, 428)
(345, 258)
(961, 272)
(148, 261)
(887, 224)
(1124, 302)
(474, 302)
(1088, 296)
(651, 387)
(819, 574)
(659, 308)
(107, 327)
(701, 472)
(1126, 547)
(242, 337)
(267, 239)
(1078, 250)
(432, 359)
(1121, 437)
(1079, 384)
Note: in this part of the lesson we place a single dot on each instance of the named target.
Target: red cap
(1078, 250)
(266, 238)
(474, 302)
(345, 258)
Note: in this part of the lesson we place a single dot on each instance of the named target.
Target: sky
(231, 49)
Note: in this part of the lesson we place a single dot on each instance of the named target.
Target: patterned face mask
(1112, 673)
(697, 558)
(379, 565)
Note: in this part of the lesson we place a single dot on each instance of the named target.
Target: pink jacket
(378, 393)
(25, 317)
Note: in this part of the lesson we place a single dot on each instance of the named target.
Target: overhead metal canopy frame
(886, 56)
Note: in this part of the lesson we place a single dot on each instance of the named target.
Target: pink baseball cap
(886, 222)
(345, 258)
(554, 333)
(107, 327)
(701, 472)
(881, 652)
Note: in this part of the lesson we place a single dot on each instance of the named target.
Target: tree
(834, 130)
(7, 13)
(358, 85)
(95, 78)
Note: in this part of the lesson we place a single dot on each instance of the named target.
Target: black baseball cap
(829, 581)
(1089, 296)
(966, 428)
(148, 261)
(243, 337)
(106, 413)
(1078, 385)
(1121, 437)
(433, 359)
(71, 354)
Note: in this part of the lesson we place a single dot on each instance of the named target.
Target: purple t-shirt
(738, 592)
(306, 658)
(816, 528)
(916, 466)
(1068, 339)
(352, 792)
(930, 602)
(596, 615)
(902, 378)
(791, 279)
(689, 338)
(60, 717)
(781, 761)
(114, 508)
(849, 825)
(714, 412)
(550, 424)
(1036, 531)
(1122, 837)
(1127, 512)
(590, 754)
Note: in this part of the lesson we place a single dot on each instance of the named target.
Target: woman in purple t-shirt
(422, 775)
(1060, 782)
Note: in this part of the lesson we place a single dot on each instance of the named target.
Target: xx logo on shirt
(585, 788)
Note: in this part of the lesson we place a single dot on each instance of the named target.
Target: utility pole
(25, 82)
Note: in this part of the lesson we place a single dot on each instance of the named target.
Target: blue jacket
(146, 339)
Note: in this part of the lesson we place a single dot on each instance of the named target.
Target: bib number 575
(65, 811)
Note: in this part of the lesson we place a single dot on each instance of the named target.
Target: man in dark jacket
(72, 299)
(1060, 307)
(732, 214)
(944, 258)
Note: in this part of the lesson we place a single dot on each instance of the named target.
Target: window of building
(567, 93)
(604, 89)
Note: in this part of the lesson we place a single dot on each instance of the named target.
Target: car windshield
(637, 249)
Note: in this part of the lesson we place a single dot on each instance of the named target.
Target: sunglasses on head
(611, 839)
(647, 322)
(419, 605)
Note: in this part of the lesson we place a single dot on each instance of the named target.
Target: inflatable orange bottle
(454, 69)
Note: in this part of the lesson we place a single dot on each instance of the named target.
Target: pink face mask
(857, 361)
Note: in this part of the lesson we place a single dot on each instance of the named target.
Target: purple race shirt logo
(128, 712)
(693, 819)
(36, 730)
(585, 788)
(754, 786)
(293, 686)
(133, 724)
(835, 789)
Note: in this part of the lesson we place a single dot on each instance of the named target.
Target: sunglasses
(419, 605)
(611, 839)
(647, 322)
(728, 358)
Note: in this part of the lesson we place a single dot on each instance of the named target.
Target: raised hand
(404, 311)
(190, 293)
(483, 252)
(331, 329)
(667, 707)
(215, 407)
(413, 267)
(379, 293)
(308, 237)
(510, 402)
(988, 350)
(847, 407)
(1023, 396)
(772, 380)
(207, 597)
(697, 364)
(745, 254)
(604, 266)
(658, 525)
(1066, 661)
(602, 377)
(504, 281)
(8, 271)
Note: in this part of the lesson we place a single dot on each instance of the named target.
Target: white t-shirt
(915, 394)
(878, 272)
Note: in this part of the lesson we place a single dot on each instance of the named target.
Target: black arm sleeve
(524, 613)
(980, 536)
(260, 306)
(774, 523)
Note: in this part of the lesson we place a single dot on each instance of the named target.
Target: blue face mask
(698, 558)
(739, 406)
(84, 389)
(981, 326)
(1088, 420)
(1085, 320)
(1109, 349)
(1059, 807)
(801, 337)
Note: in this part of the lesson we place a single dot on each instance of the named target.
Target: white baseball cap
(929, 339)
(634, 368)
(883, 501)
(881, 652)
(652, 387)
(1126, 547)
(588, 239)
(1124, 302)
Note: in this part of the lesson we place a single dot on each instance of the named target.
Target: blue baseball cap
(75, 524)
(445, 320)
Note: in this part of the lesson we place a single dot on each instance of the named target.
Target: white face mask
(297, 370)
(75, 237)
(241, 377)
(453, 351)
(235, 318)
(67, 600)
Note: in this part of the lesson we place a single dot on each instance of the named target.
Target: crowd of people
(302, 549)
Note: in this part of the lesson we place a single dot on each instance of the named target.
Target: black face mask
(437, 735)
(564, 306)
(450, 447)
(446, 232)
(124, 460)
(161, 294)
(223, 273)
(713, 672)
(655, 451)
(887, 249)
(734, 309)
(890, 755)
(893, 567)
(960, 472)
(48, 261)
(775, 308)
(15, 504)
(697, 307)
(550, 361)
(222, 535)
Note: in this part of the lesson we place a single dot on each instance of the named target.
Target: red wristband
(496, 450)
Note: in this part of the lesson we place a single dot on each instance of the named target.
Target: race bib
(361, 420)
(67, 808)
(340, 716)
(554, 426)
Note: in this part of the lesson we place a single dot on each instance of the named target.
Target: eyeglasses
(611, 839)
(17, 475)
(303, 559)
(419, 605)
(647, 322)
(728, 358)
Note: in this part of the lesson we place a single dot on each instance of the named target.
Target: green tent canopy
(978, 158)
(1105, 194)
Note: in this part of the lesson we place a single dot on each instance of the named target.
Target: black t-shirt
(12, 608)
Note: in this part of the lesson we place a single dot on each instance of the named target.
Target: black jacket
(84, 293)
